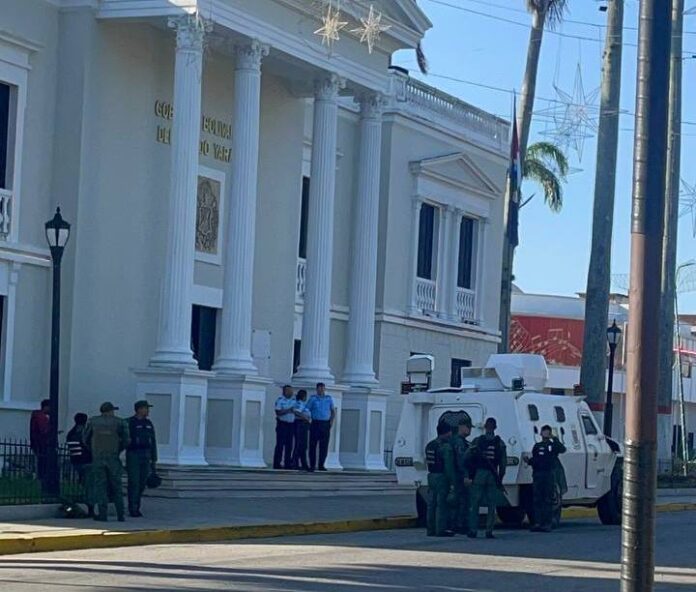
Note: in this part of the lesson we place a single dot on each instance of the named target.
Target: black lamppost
(57, 234)
(613, 337)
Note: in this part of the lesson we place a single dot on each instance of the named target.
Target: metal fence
(23, 475)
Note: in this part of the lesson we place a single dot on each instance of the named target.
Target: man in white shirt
(285, 429)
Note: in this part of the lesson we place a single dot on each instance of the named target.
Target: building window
(533, 412)
(5, 140)
(465, 267)
(427, 231)
(304, 216)
(297, 346)
(456, 371)
(203, 329)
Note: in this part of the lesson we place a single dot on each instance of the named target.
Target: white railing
(300, 279)
(5, 213)
(426, 292)
(466, 305)
(432, 101)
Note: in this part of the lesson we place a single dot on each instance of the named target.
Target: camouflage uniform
(487, 459)
(141, 458)
(106, 436)
(462, 492)
(441, 478)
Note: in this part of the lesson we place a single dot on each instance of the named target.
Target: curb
(592, 512)
(71, 542)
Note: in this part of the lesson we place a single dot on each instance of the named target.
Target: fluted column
(453, 264)
(235, 329)
(359, 368)
(174, 335)
(314, 359)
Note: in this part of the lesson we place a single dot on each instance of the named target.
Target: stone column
(359, 368)
(415, 235)
(174, 335)
(314, 365)
(453, 264)
(443, 279)
(235, 334)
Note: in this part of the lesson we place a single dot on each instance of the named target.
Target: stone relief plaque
(208, 215)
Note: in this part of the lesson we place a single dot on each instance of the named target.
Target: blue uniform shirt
(321, 407)
(302, 409)
(282, 403)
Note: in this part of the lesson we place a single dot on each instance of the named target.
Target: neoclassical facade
(251, 205)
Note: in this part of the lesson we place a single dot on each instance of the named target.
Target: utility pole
(669, 238)
(650, 147)
(594, 349)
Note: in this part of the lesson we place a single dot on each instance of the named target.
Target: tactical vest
(544, 457)
(491, 453)
(434, 458)
(142, 434)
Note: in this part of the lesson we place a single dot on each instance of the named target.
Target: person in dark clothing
(442, 476)
(141, 455)
(487, 459)
(303, 419)
(80, 454)
(462, 487)
(544, 461)
(285, 429)
(40, 437)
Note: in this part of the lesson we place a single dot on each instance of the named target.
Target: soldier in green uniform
(544, 462)
(106, 436)
(141, 456)
(441, 478)
(462, 486)
(487, 460)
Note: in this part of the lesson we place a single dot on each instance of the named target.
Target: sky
(484, 42)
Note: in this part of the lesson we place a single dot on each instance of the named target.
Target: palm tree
(544, 12)
(594, 354)
(546, 165)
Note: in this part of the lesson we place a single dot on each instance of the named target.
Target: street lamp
(613, 337)
(57, 234)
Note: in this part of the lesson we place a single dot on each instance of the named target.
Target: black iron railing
(23, 475)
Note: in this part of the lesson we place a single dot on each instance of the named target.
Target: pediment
(459, 170)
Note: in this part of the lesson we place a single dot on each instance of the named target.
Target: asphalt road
(580, 557)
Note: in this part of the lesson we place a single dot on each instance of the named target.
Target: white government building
(250, 206)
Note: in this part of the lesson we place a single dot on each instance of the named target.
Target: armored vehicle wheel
(511, 516)
(609, 505)
(421, 506)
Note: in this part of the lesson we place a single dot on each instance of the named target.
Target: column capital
(371, 105)
(326, 89)
(416, 204)
(190, 31)
(249, 55)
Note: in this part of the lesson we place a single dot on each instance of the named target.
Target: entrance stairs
(229, 482)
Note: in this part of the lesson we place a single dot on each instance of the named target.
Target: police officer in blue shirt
(323, 411)
(285, 429)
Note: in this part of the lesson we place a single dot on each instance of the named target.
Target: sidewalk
(194, 520)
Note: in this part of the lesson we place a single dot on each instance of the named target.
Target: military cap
(106, 407)
(492, 422)
(139, 404)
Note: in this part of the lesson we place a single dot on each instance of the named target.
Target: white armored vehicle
(510, 388)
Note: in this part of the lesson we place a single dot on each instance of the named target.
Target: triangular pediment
(458, 170)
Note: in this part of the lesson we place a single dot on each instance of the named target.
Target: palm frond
(551, 155)
(554, 10)
(537, 171)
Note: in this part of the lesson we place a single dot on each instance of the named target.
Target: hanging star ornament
(332, 26)
(574, 118)
(371, 29)
(687, 203)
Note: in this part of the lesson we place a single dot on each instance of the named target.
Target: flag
(514, 182)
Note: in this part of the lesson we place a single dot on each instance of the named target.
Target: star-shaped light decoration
(575, 117)
(371, 29)
(332, 26)
(687, 203)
